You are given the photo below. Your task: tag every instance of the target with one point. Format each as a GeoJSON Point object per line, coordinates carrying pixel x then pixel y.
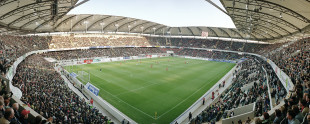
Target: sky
{"type": "Point", "coordinates": [172, 13]}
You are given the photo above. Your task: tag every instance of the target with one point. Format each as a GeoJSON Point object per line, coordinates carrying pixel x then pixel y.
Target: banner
{"type": "Point", "coordinates": [126, 57]}
{"type": "Point", "coordinates": [93, 47]}
{"type": "Point", "coordinates": [204, 34]}
{"type": "Point", "coordinates": [88, 61]}
{"type": "Point", "coordinates": [148, 56]}
{"type": "Point", "coordinates": [284, 78]}
{"type": "Point", "coordinates": [97, 59]}
{"type": "Point", "coordinates": [74, 75]}
{"type": "Point", "coordinates": [92, 88]}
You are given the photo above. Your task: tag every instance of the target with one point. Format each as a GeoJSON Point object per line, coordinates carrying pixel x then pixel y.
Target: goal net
{"type": "Point", "coordinates": [84, 76]}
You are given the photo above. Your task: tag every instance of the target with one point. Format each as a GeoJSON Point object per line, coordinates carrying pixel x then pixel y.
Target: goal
{"type": "Point", "coordinates": [84, 76]}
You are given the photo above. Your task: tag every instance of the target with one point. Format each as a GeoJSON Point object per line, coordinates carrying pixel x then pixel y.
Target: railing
{"type": "Point", "coordinates": [269, 94]}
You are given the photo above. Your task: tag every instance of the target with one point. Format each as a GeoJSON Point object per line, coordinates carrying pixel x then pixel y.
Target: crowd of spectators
{"type": "Point", "coordinates": [295, 109]}
{"type": "Point", "coordinates": [12, 47]}
{"type": "Point", "coordinates": [46, 92]}
{"type": "Point", "coordinates": [209, 43]}
{"type": "Point", "coordinates": [187, 42]}
{"type": "Point", "coordinates": [110, 53]}
{"type": "Point", "coordinates": [10, 111]}
{"type": "Point", "coordinates": [116, 52]}
{"type": "Point", "coordinates": [253, 47]}
{"type": "Point", "coordinates": [207, 54]}
{"type": "Point", "coordinates": [250, 73]}
{"type": "Point", "coordinates": [277, 90]}
{"type": "Point", "coordinates": [237, 46]}
{"type": "Point", "coordinates": [84, 41]}
{"type": "Point", "coordinates": [265, 49]}
{"type": "Point", "coordinates": [293, 59]}
{"type": "Point", "coordinates": [57, 42]}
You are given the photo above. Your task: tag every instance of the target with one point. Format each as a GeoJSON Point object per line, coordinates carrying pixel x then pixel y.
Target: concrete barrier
{"type": "Point", "coordinates": [104, 104]}
{"type": "Point", "coordinates": [241, 113]}
{"type": "Point", "coordinates": [23, 106]}
{"type": "Point", "coordinates": [198, 103]}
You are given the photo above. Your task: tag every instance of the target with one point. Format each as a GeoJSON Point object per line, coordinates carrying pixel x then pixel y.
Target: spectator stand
{"type": "Point", "coordinates": [285, 80]}
{"type": "Point", "coordinates": [85, 95]}
{"type": "Point", "coordinates": [219, 50]}
{"type": "Point", "coordinates": [279, 55]}
{"type": "Point", "coordinates": [196, 108]}
{"type": "Point", "coordinates": [279, 73]}
{"type": "Point", "coordinates": [78, 84]}
{"type": "Point", "coordinates": [247, 111]}
{"type": "Point", "coordinates": [267, 83]}
{"type": "Point", "coordinates": [10, 75]}
{"type": "Point", "coordinates": [104, 104]}
{"type": "Point", "coordinates": [12, 71]}
{"type": "Point", "coordinates": [107, 106]}
{"type": "Point", "coordinates": [6, 89]}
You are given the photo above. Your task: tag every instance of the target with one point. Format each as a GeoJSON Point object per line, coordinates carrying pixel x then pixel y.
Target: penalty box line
{"type": "Point", "coordinates": [163, 113]}
{"type": "Point", "coordinates": [126, 103]}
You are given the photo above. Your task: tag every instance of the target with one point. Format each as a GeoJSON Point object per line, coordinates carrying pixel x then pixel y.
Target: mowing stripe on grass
{"type": "Point", "coordinates": [139, 91]}
{"type": "Point", "coordinates": [189, 96]}
{"type": "Point", "coordinates": [125, 102]}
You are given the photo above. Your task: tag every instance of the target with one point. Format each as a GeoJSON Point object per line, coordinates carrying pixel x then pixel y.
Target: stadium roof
{"type": "Point", "coordinates": [270, 19]}
{"type": "Point", "coordinates": [21, 16]}
{"type": "Point", "coordinates": [109, 23]}
{"type": "Point", "coordinates": [263, 20]}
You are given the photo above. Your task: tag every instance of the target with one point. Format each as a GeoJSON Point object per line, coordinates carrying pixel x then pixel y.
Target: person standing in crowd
{"type": "Point", "coordinates": [239, 122]}
{"type": "Point", "coordinates": [190, 116]}
{"type": "Point", "coordinates": [8, 116]}
{"type": "Point", "coordinates": [2, 111]}
{"type": "Point", "coordinates": [303, 106]}
{"type": "Point", "coordinates": [91, 101]}
{"type": "Point", "coordinates": [24, 117]}
{"type": "Point", "coordinates": [278, 117]}
{"type": "Point", "coordinates": [248, 121]}
{"type": "Point", "coordinates": [203, 101]}
{"type": "Point", "coordinates": [15, 108]}
{"type": "Point", "coordinates": [308, 120]}
{"type": "Point", "coordinates": [123, 121]}
{"type": "Point", "coordinates": [212, 96]}
{"type": "Point", "coordinates": [298, 114]}
{"type": "Point", "coordinates": [266, 118]}
{"type": "Point", "coordinates": [291, 117]}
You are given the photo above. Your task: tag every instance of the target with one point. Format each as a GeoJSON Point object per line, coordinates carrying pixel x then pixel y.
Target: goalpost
{"type": "Point", "coordinates": [84, 76]}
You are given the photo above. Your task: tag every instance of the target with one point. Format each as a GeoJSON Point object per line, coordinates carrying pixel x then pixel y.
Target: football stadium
{"type": "Point", "coordinates": [154, 62]}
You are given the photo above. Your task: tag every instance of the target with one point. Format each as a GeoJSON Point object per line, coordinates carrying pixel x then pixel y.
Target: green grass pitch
{"type": "Point", "coordinates": [167, 88]}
